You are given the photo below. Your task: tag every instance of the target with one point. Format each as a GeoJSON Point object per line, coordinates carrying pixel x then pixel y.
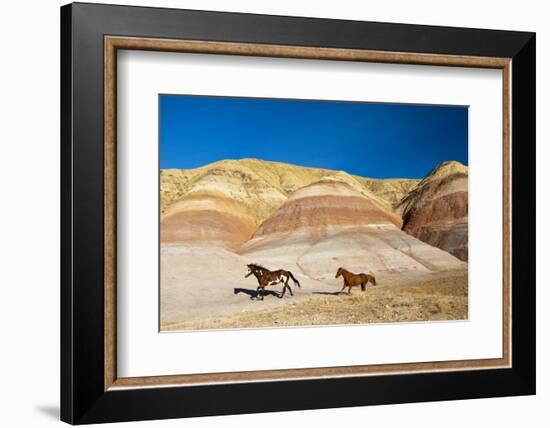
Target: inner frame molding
{"type": "Point", "coordinates": [113, 43]}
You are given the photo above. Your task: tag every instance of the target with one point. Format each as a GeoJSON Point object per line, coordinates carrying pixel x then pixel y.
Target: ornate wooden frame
{"type": "Point", "coordinates": [91, 390]}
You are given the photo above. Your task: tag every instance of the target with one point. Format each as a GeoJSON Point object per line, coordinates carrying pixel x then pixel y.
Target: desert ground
{"type": "Point", "coordinates": [410, 234]}
{"type": "Point", "coordinates": [432, 297]}
{"type": "Point", "coordinates": [213, 304]}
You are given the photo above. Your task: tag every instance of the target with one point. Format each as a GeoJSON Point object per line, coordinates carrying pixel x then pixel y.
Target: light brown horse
{"type": "Point", "coordinates": [352, 279]}
{"type": "Point", "coordinates": [267, 277]}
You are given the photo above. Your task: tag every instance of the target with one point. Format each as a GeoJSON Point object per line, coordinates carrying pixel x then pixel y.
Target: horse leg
{"type": "Point", "coordinates": [288, 286]}
{"type": "Point", "coordinates": [343, 288]}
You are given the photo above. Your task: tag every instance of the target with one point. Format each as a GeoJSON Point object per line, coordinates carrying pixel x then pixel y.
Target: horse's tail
{"type": "Point", "coordinates": [294, 279]}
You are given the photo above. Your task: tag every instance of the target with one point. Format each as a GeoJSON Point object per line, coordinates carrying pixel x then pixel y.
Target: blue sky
{"type": "Point", "coordinates": [366, 139]}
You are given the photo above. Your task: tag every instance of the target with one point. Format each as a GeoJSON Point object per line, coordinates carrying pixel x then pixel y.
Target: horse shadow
{"type": "Point", "coordinates": [254, 293]}
{"type": "Point", "coordinates": [328, 293]}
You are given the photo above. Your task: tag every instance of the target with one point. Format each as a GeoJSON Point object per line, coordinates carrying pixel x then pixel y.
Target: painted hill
{"type": "Point", "coordinates": [329, 224]}
{"type": "Point", "coordinates": [224, 202]}
{"type": "Point", "coordinates": [436, 209]}
{"type": "Point", "coordinates": [207, 219]}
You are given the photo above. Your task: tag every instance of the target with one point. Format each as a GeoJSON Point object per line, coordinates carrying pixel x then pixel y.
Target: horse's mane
{"type": "Point", "coordinates": [258, 266]}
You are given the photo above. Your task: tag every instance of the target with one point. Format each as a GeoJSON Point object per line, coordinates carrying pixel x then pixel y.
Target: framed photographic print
{"type": "Point", "coordinates": [265, 213]}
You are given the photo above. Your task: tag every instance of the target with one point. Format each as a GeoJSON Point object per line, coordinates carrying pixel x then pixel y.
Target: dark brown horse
{"type": "Point", "coordinates": [267, 277]}
{"type": "Point", "coordinates": [352, 279]}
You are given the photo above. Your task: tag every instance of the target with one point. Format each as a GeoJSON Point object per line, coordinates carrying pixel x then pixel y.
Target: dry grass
{"type": "Point", "coordinates": [440, 298]}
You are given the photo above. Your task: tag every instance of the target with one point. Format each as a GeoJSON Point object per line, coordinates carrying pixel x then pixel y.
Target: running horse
{"type": "Point", "coordinates": [352, 279]}
{"type": "Point", "coordinates": [267, 277]}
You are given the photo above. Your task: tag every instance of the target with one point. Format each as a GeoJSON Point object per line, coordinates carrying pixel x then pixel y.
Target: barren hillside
{"type": "Point", "coordinates": [224, 202]}
{"type": "Point", "coordinates": [265, 184]}
{"type": "Point", "coordinates": [329, 224]}
{"type": "Point", "coordinates": [436, 210]}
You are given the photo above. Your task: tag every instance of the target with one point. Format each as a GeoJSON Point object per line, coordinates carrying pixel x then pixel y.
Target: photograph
{"type": "Point", "coordinates": [292, 212]}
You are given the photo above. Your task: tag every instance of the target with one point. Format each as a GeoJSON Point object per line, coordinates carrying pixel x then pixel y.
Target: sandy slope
{"type": "Point", "coordinates": [330, 224]}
